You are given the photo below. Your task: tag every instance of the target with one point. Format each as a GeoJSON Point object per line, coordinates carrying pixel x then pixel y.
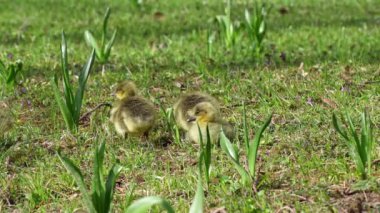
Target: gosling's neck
{"type": "Point", "coordinates": [203, 122]}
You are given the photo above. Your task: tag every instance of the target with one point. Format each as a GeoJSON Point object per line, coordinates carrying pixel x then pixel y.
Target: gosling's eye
{"type": "Point", "coordinates": [197, 111]}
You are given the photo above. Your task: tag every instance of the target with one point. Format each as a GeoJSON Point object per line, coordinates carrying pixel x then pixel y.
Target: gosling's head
{"type": "Point", "coordinates": [125, 89]}
{"type": "Point", "coordinates": [203, 112]}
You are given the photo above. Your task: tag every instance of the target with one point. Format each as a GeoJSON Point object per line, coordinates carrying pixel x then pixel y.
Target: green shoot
{"type": "Point", "coordinates": [100, 198]}
{"type": "Point", "coordinates": [227, 27]}
{"type": "Point", "coordinates": [8, 74]}
{"type": "Point", "coordinates": [104, 50]}
{"type": "Point", "coordinates": [197, 205]}
{"type": "Point", "coordinates": [360, 146]}
{"type": "Point", "coordinates": [257, 27]}
{"type": "Point", "coordinates": [232, 152]}
{"type": "Point", "coordinates": [254, 146]}
{"type": "Point", "coordinates": [251, 150]}
{"type": "Point", "coordinates": [69, 104]}
{"type": "Point", "coordinates": [210, 42]}
{"type": "Point", "coordinates": [129, 197]}
{"type": "Point", "coordinates": [171, 125]}
{"type": "Point", "coordinates": [205, 152]}
{"type": "Point", "coordinates": [144, 204]}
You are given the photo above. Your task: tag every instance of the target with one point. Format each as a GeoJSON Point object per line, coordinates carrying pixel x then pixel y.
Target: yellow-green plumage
{"type": "Point", "coordinates": [186, 103]}
{"type": "Point", "coordinates": [132, 114]}
{"type": "Point", "coordinates": [205, 114]}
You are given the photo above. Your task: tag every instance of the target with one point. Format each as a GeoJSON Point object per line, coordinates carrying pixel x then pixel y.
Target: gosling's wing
{"type": "Point", "coordinates": [139, 109]}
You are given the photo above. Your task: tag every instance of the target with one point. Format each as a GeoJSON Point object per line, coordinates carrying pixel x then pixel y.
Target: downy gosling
{"type": "Point", "coordinates": [132, 114]}
{"type": "Point", "coordinates": [186, 103]}
{"type": "Point", "coordinates": [205, 114]}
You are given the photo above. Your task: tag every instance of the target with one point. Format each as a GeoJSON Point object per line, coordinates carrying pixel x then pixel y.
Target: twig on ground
{"type": "Point", "coordinates": [85, 115]}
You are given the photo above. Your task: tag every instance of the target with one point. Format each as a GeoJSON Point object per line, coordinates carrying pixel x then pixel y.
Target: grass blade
{"type": "Point", "coordinates": [207, 155]}
{"type": "Point", "coordinates": [110, 185]}
{"type": "Point", "coordinates": [11, 75]}
{"type": "Point", "coordinates": [197, 204]}
{"type": "Point", "coordinates": [108, 47]}
{"type": "Point", "coordinates": [82, 86]}
{"type": "Point", "coordinates": [129, 197]}
{"type": "Point", "coordinates": [144, 204]}
{"type": "Point", "coordinates": [105, 23]}
{"type": "Point", "coordinates": [360, 155]}
{"type": "Point", "coordinates": [338, 128]}
{"type": "Point", "coordinates": [67, 116]}
{"type": "Point", "coordinates": [98, 189]}
{"type": "Point", "coordinates": [2, 65]}
{"type": "Point", "coordinates": [253, 148]}
{"type": "Point", "coordinates": [228, 147]}
{"type": "Point", "coordinates": [230, 150]}
{"type": "Point", "coordinates": [78, 177]}
{"type": "Point", "coordinates": [67, 89]}
{"type": "Point", "coordinates": [92, 42]}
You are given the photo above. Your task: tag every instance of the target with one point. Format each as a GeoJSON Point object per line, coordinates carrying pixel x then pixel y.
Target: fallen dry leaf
{"type": "Point", "coordinates": [302, 71]}
{"type": "Point", "coordinates": [219, 210]}
{"type": "Point", "coordinates": [159, 16]}
{"type": "Point", "coordinates": [329, 103]}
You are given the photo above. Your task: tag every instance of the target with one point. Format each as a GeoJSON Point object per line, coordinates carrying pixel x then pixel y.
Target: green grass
{"type": "Point", "coordinates": [302, 160]}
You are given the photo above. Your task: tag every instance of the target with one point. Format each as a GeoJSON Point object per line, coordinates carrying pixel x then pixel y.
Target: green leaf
{"type": "Point", "coordinates": [338, 128]}
{"type": "Point", "coordinates": [92, 42]}
{"type": "Point", "coordinates": [14, 70]}
{"type": "Point", "coordinates": [78, 177]}
{"type": "Point", "coordinates": [262, 28]}
{"type": "Point", "coordinates": [200, 137]}
{"type": "Point", "coordinates": [359, 151]}
{"type": "Point", "coordinates": [108, 47]}
{"type": "Point", "coordinates": [62, 106]}
{"type": "Point", "coordinates": [2, 66]}
{"type": "Point", "coordinates": [11, 75]}
{"type": "Point", "coordinates": [110, 185]}
{"type": "Point", "coordinates": [144, 204]}
{"type": "Point", "coordinates": [207, 156]}
{"type": "Point", "coordinates": [105, 23]}
{"type": "Point", "coordinates": [231, 151]}
{"type": "Point", "coordinates": [353, 132]}
{"type": "Point", "coordinates": [82, 86]}
{"type": "Point", "coordinates": [129, 197]}
{"type": "Point", "coordinates": [254, 146]}
{"type": "Point", "coordinates": [228, 147]}
{"type": "Point", "coordinates": [247, 16]}
{"type": "Point", "coordinates": [98, 188]}
{"type": "Point", "coordinates": [197, 205]}
{"type": "Point", "coordinates": [67, 88]}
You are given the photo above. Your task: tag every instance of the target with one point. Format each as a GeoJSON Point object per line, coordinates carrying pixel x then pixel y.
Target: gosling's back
{"type": "Point", "coordinates": [188, 102]}
{"type": "Point", "coordinates": [133, 115]}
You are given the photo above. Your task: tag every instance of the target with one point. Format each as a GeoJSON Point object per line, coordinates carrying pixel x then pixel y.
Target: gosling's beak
{"type": "Point", "coordinates": [113, 94]}
{"type": "Point", "coordinates": [191, 119]}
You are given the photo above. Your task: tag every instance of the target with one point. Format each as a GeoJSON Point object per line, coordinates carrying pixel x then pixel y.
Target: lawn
{"type": "Point", "coordinates": [320, 57]}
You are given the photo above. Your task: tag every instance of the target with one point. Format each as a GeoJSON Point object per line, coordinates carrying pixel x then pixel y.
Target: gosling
{"type": "Point", "coordinates": [132, 114]}
{"type": "Point", "coordinates": [186, 103]}
{"type": "Point", "coordinates": [205, 114]}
